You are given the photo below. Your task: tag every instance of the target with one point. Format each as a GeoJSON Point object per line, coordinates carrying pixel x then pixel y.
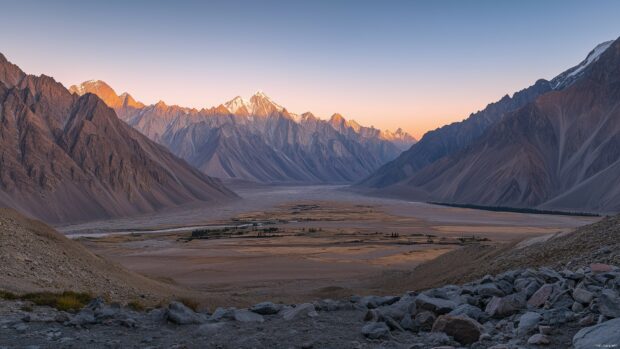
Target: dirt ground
{"type": "Point", "coordinates": [323, 243]}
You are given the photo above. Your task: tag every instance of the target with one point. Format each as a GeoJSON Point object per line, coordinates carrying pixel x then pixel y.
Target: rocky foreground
{"type": "Point", "coordinates": [525, 308]}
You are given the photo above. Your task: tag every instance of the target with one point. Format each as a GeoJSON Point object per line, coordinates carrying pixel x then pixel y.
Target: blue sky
{"type": "Point", "coordinates": [414, 64]}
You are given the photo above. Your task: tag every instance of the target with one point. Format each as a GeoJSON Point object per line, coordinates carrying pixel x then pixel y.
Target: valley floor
{"type": "Point", "coordinates": [328, 243]}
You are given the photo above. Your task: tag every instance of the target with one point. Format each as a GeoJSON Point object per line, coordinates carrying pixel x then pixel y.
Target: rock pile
{"type": "Point", "coordinates": [512, 309]}
{"type": "Point", "coordinates": [525, 308]}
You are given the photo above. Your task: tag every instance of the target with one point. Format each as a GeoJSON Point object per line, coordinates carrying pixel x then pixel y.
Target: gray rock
{"type": "Point", "coordinates": [604, 335]}
{"type": "Point", "coordinates": [372, 302]}
{"type": "Point", "coordinates": [471, 311]}
{"type": "Point", "coordinates": [305, 309]}
{"type": "Point", "coordinates": [242, 315]}
{"type": "Point", "coordinates": [609, 303]}
{"type": "Point", "coordinates": [266, 308]}
{"type": "Point", "coordinates": [209, 329]}
{"type": "Point", "coordinates": [84, 317]}
{"type": "Point", "coordinates": [376, 330]}
{"type": "Point", "coordinates": [408, 323]}
{"type": "Point", "coordinates": [540, 297]}
{"type": "Point", "coordinates": [539, 339]}
{"type": "Point", "coordinates": [437, 305]}
{"type": "Point", "coordinates": [499, 307]}
{"type": "Point", "coordinates": [577, 307]}
{"type": "Point", "coordinates": [462, 328]}
{"type": "Point", "coordinates": [489, 290]}
{"type": "Point", "coordinates": [425, 320]}
{"type": "Point", "coordinates": [558, 316]}
{"type": "Point", "coordinates": [528, 323]}
{"type": "Point", "coordinates": [396, 311]}
{"type": "Point", "coordinates": [180, 314]}
{"type": "Point", "coordinates": [582, 295]}
{"type": "Point", "coordinates": [223, 314]}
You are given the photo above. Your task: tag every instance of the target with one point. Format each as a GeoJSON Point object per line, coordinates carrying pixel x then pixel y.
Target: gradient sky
{"type": "Point", "coordinates": [413, 64]}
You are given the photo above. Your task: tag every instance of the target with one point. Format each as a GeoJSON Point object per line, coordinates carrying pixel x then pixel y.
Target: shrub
{"type": "Point", "coordinates": [190, 303]}
{"type": "Point", "coordinates": [136, 306]}
{"type": "Point", "coordinates": [66, 301]}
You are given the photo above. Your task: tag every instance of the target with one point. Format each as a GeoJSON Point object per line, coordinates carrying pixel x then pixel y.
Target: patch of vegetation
{"type": "Point", "coordinates": [136, 306]}
{"type": "Point", "coordinates": [516, 209]}
{"type": "Point", "coordinates": [190, 303]}
{"type": "Point", "coordinates": [66, 301]}
{"type": "Point", "coordinates": [8, 295]}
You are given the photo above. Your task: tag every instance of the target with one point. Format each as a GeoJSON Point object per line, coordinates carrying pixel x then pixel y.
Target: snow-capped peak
{"type": "Point", "coordinates": [236, 104]}
{"type": "Point", "coordinates": [568, 77]}
{"type": "Point", "coordinates": [259, 104]}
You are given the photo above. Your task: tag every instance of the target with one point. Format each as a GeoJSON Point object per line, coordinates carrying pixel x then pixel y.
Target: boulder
{"type": "Point", "coordinates": [489, 290]}
{"type": "Point", "coordinates": [180, 314]}
{"type": "Point", "coordinates": [266, 308]}
{"type": "Point", "coordinates": [604, 335]}
{"type": "Point", "coordinates": [376, 330]}
{"type": "Point", "coordinates": [601, 268]}
{"type": "Point", "coordinates": [471, 311]}
{"type": "Point", "coordinates": [372, 302]}
{"type": "Point", "coordinates": [539, 339]}
{"type": "Point", "coordinates": [528, 323]}
{"type": "Point", "coordinates": [305, 309]}
{"type": "Point", "coordinates": [425, 320]}
{"type": "Point", "coordinates": [223, 314]}
{"type": "Point", "coordinates": [499, 307]}
{"type": "Point", "coordinates": [85, 317]}
{"type": "Point", "coordinates": [540, 297]}
{"type": "Point", "coordinates": [609, 304]}
{"type": "Point", "coordinates": [437, 305]}
{"type": "Point", "coordinates": [462, 328]}
{"type": "Point", "coordinates": [582, 295]}
{"type": "Point", "coordinates": [242, 315]}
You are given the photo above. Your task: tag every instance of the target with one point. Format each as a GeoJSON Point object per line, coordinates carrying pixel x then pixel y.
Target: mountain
{"type": "Point", "coordinates": [561, 150]}
{"type": "Point", "coordinates": [259, 140]}
{"type": "Point", "coordinates": [37, 258]}
{"type": "Point", "coordinates": [68, 158]}
{"type": "Point", "coordinates": [449, 139]}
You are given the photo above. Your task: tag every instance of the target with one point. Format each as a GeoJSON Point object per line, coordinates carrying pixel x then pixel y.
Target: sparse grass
{"type": "Point", "coordinates": [8, 295]}
{"type": "Point", "coordinates": [190, 303]}
{"type": "Point", "coordinates": [66, 301]}
{"type": "Point", "coordinates": [136, 306]}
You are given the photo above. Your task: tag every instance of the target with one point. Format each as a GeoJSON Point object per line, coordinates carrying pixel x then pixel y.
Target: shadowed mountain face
{"type": "Point", "coordinates": [68, 158]}
{"type": "Point", "coordinates": [456, 136]}
{"type": "Point", "coordinates": [559, 151]}
{"type": "Point", "coordinates": [259, 140]}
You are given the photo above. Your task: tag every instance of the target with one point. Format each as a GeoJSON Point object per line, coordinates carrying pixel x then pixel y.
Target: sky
{"type": "Point", "coordinates": [411, 64]}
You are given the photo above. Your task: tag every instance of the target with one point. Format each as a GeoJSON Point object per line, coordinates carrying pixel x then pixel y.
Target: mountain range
{"type": "Point", "coordinates": [66, 157]}
{"type": "Point", "coordinates": [258, 139]}
{"type": "Point", "coordinates": [553, 145]}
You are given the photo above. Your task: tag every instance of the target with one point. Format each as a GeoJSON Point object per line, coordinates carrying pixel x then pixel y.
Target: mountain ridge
{"type": "Point", "coordinates": [67, 158]}
{"type": "Point", "coordinates": [293, 148]}
{"type": "Point", "coordinates": [558, 151]}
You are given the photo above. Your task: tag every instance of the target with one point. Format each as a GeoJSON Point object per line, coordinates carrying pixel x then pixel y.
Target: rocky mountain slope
{"type": "Point", "coordinates": [555, 148]}
{"type": "Point", "coordinates": [36, 258]}
{"type": "Point", "coordinates": [68, 158]}
{"type": "Point", "coordinates": [574, 304]}
{"type": "Point", "coordinates": [259, 140]}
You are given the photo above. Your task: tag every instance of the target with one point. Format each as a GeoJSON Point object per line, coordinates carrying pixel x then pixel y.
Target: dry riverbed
{"type": "Point", "coordinates": [318, 243]}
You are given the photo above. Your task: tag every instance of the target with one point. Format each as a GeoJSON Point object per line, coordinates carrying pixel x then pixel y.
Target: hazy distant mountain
{"type": "Point", "coordinates": [560, 149]}
{"type": "Point", "coordinates": [259, 140]}
{"type": "Point", "coordinates": [68, 158]}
